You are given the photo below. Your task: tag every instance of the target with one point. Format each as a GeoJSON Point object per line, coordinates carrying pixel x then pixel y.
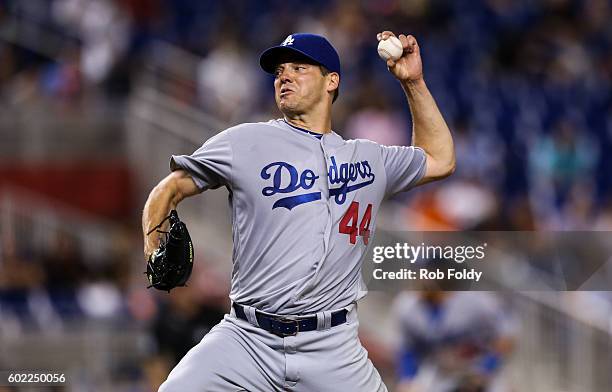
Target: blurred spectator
{"type": "Point", "coordinates": [374, 119]}
{"type": "Point", "coordinates": [480, 153]}
{"type": "Point", "coordinates": [461, 204]}
{"type": "Point", "coordinates": [64, 272]}
{"type": "Point", "coordinates": [182, 321]}
{"type": "Point", "coordinates": [466, 203]}
{"type": "Point", "coordinates": [103, 29]}
{"type": "Point", "coordinates": [19, 278]}
{"type": "Point", "coordinates": [104, 290]}
{"type": "Point", "coordinates": [226, 81]}
{"type": "Point", "coordinates": [100, 296]}
{"type": "Point", "coordinates": [62, 79]}
{"type": "Point", "coordinates": [561, 162]}
{"type": "Point", "coordinates": [451, 341]}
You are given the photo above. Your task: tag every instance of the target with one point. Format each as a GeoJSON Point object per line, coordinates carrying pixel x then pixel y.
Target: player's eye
{"type": "Point", "coordinates": [278, 72]}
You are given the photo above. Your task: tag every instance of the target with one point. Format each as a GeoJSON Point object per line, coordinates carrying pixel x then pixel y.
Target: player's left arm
{"type": "Point", "coordinates": [429, 130]}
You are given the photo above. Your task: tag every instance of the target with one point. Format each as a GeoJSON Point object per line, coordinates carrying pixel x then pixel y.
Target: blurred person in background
{"type": "Point", "coordinates": [20, 277]}
{"type": "Point", "coordinates": [181, 321]}
{"type": "Point", "coordinates": [376, 120]}
{"type": "Point", "coordinates": [65, 271]}
{"type": "Point", "coordinates": [103, 28]}
{"type": "Point", "coordinates": [563, 165]}
{"type": "Point", "coordinates": [223, 67]}
{"type": "Point", "coordinates": [452, 341]}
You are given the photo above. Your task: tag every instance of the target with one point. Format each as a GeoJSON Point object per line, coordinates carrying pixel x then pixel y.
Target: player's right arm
{"type": "Point", "coordinates": [166, 195]}
{"type": "Point", "coordinates": [430, 131]}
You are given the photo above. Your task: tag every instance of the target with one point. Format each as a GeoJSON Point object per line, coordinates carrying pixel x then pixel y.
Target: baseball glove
{"type": "Point", "coordinates": [171, 263]}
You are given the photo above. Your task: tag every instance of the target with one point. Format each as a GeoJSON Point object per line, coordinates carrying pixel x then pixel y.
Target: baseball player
{"type": "Point", "coordinates": [304, 204]}
{"type": "Point", "coordinates": [452, 341]}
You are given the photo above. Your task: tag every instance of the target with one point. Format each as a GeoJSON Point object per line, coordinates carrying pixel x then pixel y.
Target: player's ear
{"type": "Point", "coordinates": [333, 81]}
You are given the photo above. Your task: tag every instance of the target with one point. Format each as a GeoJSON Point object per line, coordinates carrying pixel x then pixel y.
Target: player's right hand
{"type": "Point", "coordinates": [409, 67]}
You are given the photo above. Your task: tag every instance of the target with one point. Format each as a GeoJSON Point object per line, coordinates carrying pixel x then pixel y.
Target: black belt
{"type": "Point", "coordinates": [282, 327]}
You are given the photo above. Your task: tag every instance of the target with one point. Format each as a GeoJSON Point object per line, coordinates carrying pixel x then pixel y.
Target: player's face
{"type": "Point", "coordinates": [298, 87]}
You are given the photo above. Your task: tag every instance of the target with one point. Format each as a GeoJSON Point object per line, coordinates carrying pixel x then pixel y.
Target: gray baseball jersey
{"type": "Point", "coordinates": [303, 209]}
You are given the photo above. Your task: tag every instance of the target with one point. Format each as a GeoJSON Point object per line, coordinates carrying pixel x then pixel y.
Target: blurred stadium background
{"type": "Point", "coordinates": [96, 94]}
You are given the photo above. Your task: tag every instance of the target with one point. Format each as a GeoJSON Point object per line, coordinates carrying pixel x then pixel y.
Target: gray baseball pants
{"type": "Point", "coordinates": [238, 356]}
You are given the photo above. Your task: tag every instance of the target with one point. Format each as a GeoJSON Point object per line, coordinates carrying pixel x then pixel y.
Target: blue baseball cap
{"type": "Point", "coordinates": [303, 46]}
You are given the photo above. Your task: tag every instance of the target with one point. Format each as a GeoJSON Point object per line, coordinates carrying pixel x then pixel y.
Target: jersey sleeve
{"type": "Point", "coordinates": [210, 166]}
{"type": "Point", "coordinates": [404, 167]}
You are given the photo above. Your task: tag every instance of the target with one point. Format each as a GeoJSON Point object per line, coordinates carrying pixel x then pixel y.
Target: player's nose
{"type": "Point", "coordinates": [285, 75]}
{"type": "Point", "coordinates": [285, 78]}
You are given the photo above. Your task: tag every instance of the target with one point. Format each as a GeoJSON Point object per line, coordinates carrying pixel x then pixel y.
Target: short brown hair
{"type": "Point", "coordinates": [325, 72]}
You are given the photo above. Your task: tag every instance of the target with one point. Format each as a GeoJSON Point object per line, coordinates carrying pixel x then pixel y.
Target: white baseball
{"type": "Point", "coordinates": [390, 48]}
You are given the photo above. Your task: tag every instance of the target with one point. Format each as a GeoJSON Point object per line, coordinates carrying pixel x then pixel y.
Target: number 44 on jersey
{"type": "Point", "coordinates": [348, 224]}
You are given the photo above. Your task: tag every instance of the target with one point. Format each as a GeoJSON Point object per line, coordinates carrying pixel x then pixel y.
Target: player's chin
{"type": "Point", "coordinates": [287, 105]}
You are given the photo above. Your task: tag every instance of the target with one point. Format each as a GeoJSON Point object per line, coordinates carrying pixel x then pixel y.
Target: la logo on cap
{"type": "Point", "coordinates": [288, 41]}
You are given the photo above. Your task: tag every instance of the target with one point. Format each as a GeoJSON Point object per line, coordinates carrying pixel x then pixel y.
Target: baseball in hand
{"type": "Point", "coordinates": [390, 48]}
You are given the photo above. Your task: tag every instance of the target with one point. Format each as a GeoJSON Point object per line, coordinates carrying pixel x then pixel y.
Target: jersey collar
{"type": "Point", "coordinates": [330, 138]}
{"type": "Point", "coordinates": [317, 135]}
